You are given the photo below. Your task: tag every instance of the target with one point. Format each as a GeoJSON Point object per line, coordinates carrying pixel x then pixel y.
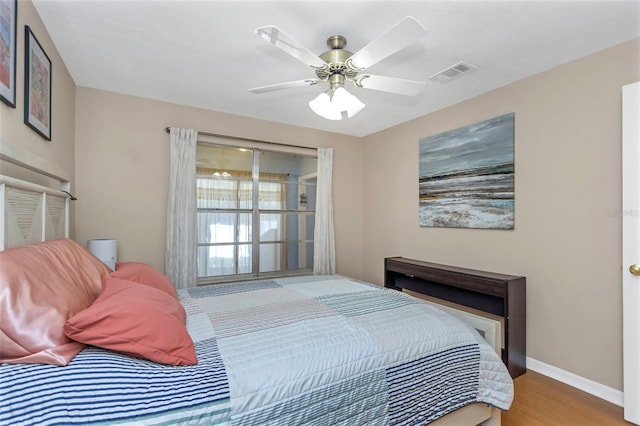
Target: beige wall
{"type": "Point", "coordinates": [60, 150]}
{"type": "Point", "coordinates": [122, 166]}
{"type": "Point", "coordinates": [567, 236]}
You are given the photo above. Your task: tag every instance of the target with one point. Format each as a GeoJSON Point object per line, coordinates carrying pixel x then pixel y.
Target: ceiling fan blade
{"type": "Point", "coordinates": [394, 39]}
{"type": "Point", "coordinates": [282, 41]}
{"type": "Point", "coordinates": [287, 85]}
{"type": "Point", "coordinates": [389, 84]}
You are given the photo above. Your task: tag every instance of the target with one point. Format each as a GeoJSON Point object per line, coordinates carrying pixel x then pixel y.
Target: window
{"type": "Point", "coordinates": [255, 213]}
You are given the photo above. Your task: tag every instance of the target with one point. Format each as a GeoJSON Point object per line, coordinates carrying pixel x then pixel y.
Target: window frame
{"type": "Point", "coordinates": [255, 243]}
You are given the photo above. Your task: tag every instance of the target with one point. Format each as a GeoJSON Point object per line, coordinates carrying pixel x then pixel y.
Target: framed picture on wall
{"type": "Point", "coordinates": [467, 176]}
{"type": "Point", "coordinates": [8, 24]}
{"type": "Point", "coordinates": [37, 86]}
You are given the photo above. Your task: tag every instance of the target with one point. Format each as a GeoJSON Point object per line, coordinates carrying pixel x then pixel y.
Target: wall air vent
{"type": "Point", "coordinates": [454, 71]}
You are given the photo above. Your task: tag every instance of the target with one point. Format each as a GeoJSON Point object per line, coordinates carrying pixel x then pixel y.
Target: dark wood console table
{"type": "Point", "coordinates": [498, 294]}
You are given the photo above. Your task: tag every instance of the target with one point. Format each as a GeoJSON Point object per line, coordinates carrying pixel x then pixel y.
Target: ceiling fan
{"type": "Point", "coordinates": [338, 66]}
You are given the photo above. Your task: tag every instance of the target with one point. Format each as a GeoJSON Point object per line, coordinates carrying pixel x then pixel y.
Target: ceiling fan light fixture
{"type": "Point", "coordinates": [321, 105]}
{"type": "Point", "coordinates": [345, 101]}
{"type": "Point", "coordinates": [337, 105]}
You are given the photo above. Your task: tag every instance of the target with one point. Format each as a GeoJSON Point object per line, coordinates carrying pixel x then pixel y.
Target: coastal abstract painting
{"type": "Point", "coordinates": [466, 177]}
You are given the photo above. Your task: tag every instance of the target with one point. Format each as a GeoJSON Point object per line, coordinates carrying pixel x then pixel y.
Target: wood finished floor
{"type": "Point", "coordinates": [541, 401]}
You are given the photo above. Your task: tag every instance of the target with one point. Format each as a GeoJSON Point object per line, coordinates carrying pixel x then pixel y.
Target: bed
{"type": "Point", "coordinates": [312, 350]}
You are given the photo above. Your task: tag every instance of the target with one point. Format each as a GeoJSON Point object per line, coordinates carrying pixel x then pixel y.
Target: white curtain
{"type": "Point", "coordinates": [180, 260]}
{"type": "Point", "coordinates": [324, 256]}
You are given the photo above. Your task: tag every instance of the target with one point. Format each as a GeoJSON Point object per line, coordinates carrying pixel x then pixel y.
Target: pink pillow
{"type": "Point", "coordinates": [144, 274]}
{"type": "Point", "coordinates": [41, 286]}
{"type": "Point", "coordinates": [137, 320]}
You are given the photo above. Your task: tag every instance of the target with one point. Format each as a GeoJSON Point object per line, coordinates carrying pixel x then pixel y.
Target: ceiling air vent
{"type": "Point", "coordinates": [454, 71]}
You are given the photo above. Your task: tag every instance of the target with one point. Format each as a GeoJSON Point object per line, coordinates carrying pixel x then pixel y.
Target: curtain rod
{"type": "Point", "coordinates": [237, 138]}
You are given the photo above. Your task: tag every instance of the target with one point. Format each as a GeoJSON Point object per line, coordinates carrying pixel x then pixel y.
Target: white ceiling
{"type": "Point", "coordinates": [205, 53]}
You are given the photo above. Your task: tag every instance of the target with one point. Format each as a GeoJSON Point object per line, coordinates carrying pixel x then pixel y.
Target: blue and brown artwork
{"type": "Point", "coordinates": [466, 176]}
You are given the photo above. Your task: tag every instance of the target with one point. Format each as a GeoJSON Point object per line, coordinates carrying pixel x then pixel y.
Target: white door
{"type": "Point", "coordinates": [631, 249]}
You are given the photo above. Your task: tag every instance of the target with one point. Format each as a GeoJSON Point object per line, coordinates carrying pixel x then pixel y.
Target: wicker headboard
{"type": "Point", "coordinates": [31, 212]}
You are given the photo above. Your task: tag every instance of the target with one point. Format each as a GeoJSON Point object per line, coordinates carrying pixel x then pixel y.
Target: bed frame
{"type": "Point", "coordinates": [32, 212]}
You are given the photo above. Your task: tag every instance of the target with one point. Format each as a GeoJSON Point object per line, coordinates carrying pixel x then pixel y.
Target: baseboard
{"type": "Point", "coordinates": [607, 393]}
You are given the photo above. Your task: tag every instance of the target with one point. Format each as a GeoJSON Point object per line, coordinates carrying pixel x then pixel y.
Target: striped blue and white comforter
{"type": "Point", "coordinates": [321, 350]}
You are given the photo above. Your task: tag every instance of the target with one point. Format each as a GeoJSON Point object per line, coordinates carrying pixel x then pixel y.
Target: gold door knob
{"type": "Point", "coordinates": [634, 269]}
